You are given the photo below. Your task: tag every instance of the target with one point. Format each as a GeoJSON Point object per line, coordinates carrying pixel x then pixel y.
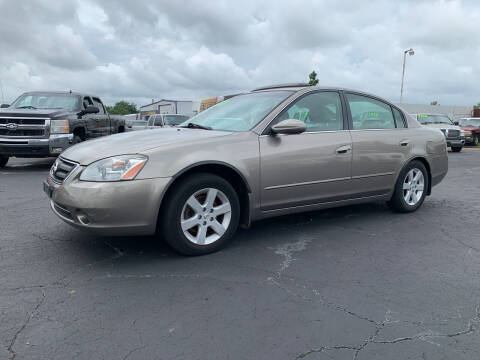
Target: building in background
{"type": "Point", "coordinates": [454, 112]}
{"type": "Point", "coordinates": [181, 107]}
{"type": "Point", "coordinates": [209, 102]}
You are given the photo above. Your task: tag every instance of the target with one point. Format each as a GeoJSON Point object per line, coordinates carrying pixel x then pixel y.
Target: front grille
{"type": "Point", "coordinates": [22, 132]}
{"type": "Point", "coordinates": [452, 133]}
{"type": "Point", "coordinates": [22, 121]}
{"type": "Point", "coordinates": [61, 169]}
{"type": "Point", "coordinates": [16, 127]}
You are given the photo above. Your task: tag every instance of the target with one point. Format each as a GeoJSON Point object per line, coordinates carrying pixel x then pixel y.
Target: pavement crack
{"type": "Point", "coordinates": [24, 325]}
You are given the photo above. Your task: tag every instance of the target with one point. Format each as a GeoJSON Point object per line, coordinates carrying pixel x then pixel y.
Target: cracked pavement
{"type": "Point", "coordinates": [356, 283]}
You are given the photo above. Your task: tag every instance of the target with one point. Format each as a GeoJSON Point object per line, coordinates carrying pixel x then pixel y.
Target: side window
{"type": "Point", "coordinates": [321, 111]}
{"type": "Point", "coordinates": [87, 102]}
{"type": "Point", "coordinates": [98, 103]}
{"type": "Point", "coordinates": [399, 119]}
{"type": "Point", "coordinates": [368, 113]}
{"type": "Point", "coordinates": [158, 120]}
{"type": "Point", "coordinates": [151, 119]}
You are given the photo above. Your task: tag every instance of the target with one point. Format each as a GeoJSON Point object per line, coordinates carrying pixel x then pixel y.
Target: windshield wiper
{"type": "Point", "coordinates": [26, 107]}
{"type": "Point", "coordinates": [196, 126]}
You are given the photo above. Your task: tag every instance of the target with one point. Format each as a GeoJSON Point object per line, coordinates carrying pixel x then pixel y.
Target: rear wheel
{"type": "Point", "coordinates": [202, 213]}
{"type": "Point", "coordinates": [3, 160]}
{"type": "Point", "coordinates": [410, 189]}
{"type": "Point", "coordinates": [457, 149]}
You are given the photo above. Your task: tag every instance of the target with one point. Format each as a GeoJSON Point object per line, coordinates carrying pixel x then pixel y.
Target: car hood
{"type": "Point", "coordinates": [442, 126]}
{"type": "Point", "coordinates": [136, 142]}
{"type": "Point", "coordinates": [48, 113]}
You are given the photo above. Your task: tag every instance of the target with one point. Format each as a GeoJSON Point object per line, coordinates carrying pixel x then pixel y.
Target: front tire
{"type": "Point", "coordinates": [411, 188]}
{"type": "Point", "coordinates": [3, 160]}
{"type": "Point", "coordinates": [201, 214]}
{"type": "Point", "coordinates": [457, 149]}
{"type": "Point", "coordinates": [476, 140]}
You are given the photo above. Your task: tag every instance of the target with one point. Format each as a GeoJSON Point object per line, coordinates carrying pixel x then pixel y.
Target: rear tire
{"type": "Point", "coordinates": [457, 149]}
{"type": "Point", "coordinates": [201, 214]}
{"type": "Point", "coordinates": [411, 188]}
{"type": "Point", "coordinates": [3, 160]}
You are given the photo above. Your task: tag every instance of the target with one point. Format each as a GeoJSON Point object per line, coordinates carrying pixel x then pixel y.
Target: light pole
{"type": "Point", "coordinates": [409, 52]}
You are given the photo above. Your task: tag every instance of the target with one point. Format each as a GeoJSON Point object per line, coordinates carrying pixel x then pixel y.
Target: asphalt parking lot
{"type": "Point", "coordinates": [351, 283]}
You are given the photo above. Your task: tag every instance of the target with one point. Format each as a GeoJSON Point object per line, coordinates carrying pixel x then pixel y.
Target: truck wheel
{"type": "Point", "coordinates": [411, 188]}
{"type": "Point", "coordinates": [457, 149]}
{"type": "Point", "coordinates": [3, 160]}
{"type": "Point", "coordinates": [202, 213]}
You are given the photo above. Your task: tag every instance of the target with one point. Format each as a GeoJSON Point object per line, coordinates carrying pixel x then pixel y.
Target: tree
{"type": "Point", "coordinates": [313, 78]}
{"type": "Point", "coordinates": [122, 108]}
{"type": "Point", "coordinates": [476, 106]}
{"type": "Point", "coordinates": [435, 102]}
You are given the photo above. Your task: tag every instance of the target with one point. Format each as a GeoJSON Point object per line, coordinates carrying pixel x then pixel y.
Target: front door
{"type": "Point", "coordinates": [309, 168]}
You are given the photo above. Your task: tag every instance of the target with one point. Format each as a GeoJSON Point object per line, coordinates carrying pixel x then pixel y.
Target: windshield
{"type": "Point", "coordinates": [469, 122]}
{"type": "Point", "coordinates": [174, 120]}
{"type": "Point", "coordinates": [47, 101]}
{"type": "Point", "coordinates": [240, 113]}
{"type": "Point", "coordinates": [433, 119]}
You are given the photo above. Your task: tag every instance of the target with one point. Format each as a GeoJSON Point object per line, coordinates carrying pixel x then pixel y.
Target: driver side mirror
{"type": "Point", "coordinates": [89, 110]}
{"type": "Point", "coordinates": [3, 106]}
{"type": "Point", "coordinates": [456, 123]}
{"type": "Point", "coordinates": [289, 127]}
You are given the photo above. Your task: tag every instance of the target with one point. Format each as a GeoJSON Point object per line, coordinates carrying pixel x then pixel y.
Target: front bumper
{"type": "Point", "coordinates": [51, 146]}
{"type": "Point", "coordinates": [108, 208]}
{"type": "Point", "coordinates": [456, 142]}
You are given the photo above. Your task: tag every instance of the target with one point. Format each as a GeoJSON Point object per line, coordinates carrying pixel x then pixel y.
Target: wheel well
{"type": "Point", "coordinates": [121, 129]}
{"type": "Point", "coordinates": [79, 131]}
{"type": "Point", "coordinates": [429, 172]}
{"type": "Point", "coordinates": [229, 174]}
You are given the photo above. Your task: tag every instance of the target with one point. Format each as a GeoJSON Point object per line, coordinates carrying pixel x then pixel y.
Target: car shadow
{"type": "Point", "coordinates": [141, 250]}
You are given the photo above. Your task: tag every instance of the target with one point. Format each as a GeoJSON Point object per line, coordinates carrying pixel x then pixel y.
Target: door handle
{"type": "Point", "coordinates": [404, 142]}
{"type": "Point", "coordinates": [343, 149]}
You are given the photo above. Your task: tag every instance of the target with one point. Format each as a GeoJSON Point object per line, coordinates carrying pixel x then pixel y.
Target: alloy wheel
{"type": "Point", "coordinates": [413, 186]}
{"type": "Point", "coordinates": [205, 216]}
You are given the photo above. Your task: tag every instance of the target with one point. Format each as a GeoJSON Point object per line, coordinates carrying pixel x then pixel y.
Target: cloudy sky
{"type": "Point", "coordinates": [139, 50]}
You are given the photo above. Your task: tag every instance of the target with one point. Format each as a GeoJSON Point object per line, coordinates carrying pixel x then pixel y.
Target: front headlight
{"type": "Point", "coordinates": [115, 168]}
{"type": "Point", "coordinates": [462, 133]}
{"type": "Point", "coordinates": [59, 127]}
{"type": "Point", "coordinates": [466, 133]}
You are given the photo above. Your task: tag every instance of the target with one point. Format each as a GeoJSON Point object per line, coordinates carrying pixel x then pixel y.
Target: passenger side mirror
{"type": "Point", "coordinates": [3, 106]}
{"type": "Point", "coordinates": [289, 127]}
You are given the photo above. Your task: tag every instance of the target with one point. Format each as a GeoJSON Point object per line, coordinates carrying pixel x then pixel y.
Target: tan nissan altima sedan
{"type": "Point", "coordinates": [272, 151]}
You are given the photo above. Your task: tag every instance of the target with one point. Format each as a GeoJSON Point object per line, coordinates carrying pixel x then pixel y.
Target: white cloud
{"type": "Point", "coordinates": [193, 49]}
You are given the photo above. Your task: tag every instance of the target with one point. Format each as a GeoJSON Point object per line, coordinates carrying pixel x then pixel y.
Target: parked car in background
{"type": "Point", "coordinates": [471, 127]}
{"type": "Point", "coordinates": [132, 117]}
{"type": "Point", "coordinates": [454, 135]}
{"type": "Point", "coordinates": [161, 120]}
{"type": "Point", "coordinates": [44, 123]}
{"type": "Point", "coordinates": [133, 125]}
{"type": "Point", "coordinates": [273, 151]}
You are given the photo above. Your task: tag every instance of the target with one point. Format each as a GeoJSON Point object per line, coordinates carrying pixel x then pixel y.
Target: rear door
{"type": "Point", "coordinates": [312, 167]}
{"type": "Point", "coordinates": [381, 144]}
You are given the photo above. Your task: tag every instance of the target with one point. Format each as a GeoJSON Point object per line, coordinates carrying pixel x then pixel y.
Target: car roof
{"type": "Point", "coordinates": [59, 93]}
{"type": "Point", "coordinates": [295, 87]}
